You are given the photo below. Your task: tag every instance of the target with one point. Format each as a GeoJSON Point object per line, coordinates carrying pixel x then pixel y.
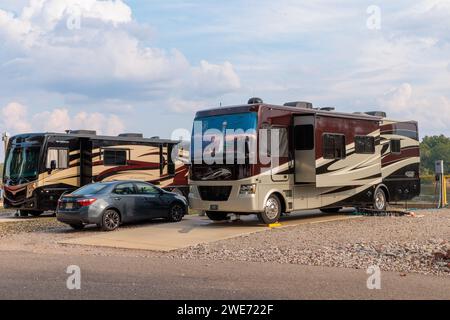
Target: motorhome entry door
{"type": "Point", "coordinates": [304, 149]}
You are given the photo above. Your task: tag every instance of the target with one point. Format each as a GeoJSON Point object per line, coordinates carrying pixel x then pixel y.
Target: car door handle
{"type": "Point", "coordinates": [117, 198]}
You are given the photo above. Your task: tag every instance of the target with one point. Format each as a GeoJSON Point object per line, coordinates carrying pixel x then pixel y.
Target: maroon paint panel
{"type": "Point", "coordinates": [348, 127]}
{"type": "Point", "coordinates": [404, 154]}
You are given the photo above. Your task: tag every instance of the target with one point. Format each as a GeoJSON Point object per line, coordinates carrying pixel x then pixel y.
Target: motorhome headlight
{"type": "Point", "coordinates": [30, 188]}
{"type": "Point", "coordinates": [248, 189]}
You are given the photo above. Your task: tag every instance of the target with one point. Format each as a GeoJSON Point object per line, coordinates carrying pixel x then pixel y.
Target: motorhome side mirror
{"type": "Point", "coordinates": [52, 165]}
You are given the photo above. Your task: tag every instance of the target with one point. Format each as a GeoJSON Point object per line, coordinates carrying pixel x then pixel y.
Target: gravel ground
{"type": "Point", "coordinates": [26, 225]}
{"type": "Point", "coordinates": [401, 244]}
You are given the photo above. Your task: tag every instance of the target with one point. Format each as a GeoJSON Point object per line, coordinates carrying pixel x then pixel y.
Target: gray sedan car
{"type": "Point", "coordinates": [109, 204]}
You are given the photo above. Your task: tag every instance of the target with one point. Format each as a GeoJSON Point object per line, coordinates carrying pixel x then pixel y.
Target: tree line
{"type": "Point", "coordinates": [434, 148]}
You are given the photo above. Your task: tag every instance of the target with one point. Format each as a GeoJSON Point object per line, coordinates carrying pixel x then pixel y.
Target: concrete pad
{"type": "Point", "coordinates": [193, 230]}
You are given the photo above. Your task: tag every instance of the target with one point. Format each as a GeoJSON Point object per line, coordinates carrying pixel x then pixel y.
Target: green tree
{"type": "Point", "coordinates": [434, 148]}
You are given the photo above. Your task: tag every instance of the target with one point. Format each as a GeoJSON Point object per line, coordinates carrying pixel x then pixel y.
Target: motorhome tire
{"type": "Point", "coordinates": [272, 210]}
{"type": "Point", "coordinates": [217, 216]}
{"type": "Point", "coordinates": [379, 199]}
{"type": "Point", "coordinates": [23, 213]}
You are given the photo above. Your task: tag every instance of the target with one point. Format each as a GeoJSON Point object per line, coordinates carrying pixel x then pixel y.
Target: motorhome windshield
{"type": "Point", "coordinates": [230, 127]}
{"type": "Point", "coordinates": [22, 163]}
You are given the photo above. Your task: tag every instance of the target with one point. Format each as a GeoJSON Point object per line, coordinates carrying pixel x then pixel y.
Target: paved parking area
{"type": "Point", "coordinates": [193, 230]}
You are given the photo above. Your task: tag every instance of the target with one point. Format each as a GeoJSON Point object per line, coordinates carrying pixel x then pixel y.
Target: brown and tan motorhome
{"type": "Point", "coordinates": [40, 167]}
{"type": "Point", "coordinates": [325, 160]}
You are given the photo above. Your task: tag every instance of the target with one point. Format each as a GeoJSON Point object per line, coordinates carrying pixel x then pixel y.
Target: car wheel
{"type": "Point", "coordinates": [330, 210]}
{"type": "Point", "coordinates": [379, 200]}
{"type": "Point", "coordinates": [217, 216]}
{"type": "Point", "coordinates": [176, 212]}
{"type": "Point", "coordinates": [272, 210]}
{"type": "Point", "coordinates": [110, 220]}
{"type": "Point", "coordinates": [78, 226]}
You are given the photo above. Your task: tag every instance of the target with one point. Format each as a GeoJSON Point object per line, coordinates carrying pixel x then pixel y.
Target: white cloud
{"type": "Point", "coordinates": [105, 58]}
{"type": "Point", "coordinates": [180, 105]}
{"type": "Point", "coordinates": [398, 99]}
{"type": "Point", "coordinates": [432, 113]}
{"type": "Point", "coordinates": [16, 119]}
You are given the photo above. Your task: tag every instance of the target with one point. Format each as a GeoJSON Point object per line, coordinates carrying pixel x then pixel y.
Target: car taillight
{"type": "Point", "coordinates": [86, 202]}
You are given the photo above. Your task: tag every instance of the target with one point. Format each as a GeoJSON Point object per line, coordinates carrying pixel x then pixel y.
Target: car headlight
{"type": "Point", "coordinates": [248, 189]}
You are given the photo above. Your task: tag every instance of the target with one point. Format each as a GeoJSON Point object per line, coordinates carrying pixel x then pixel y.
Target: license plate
{"type": "Point", "coordinates": [69, 206]}
{"type": "Point", "coordinates": [213, 207]}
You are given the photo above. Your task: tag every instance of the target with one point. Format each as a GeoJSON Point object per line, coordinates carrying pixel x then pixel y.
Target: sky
{"type": "Point", "coordinates": [148, 66]}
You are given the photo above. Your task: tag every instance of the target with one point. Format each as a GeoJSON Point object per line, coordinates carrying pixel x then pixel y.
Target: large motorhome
{"type": "Point", "coordinates": [40, 167]}
{"type": "Point", "coordinates": [326, 160]}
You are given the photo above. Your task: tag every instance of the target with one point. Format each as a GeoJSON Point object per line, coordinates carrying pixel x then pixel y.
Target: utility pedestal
{"type": "Point", "coordinates": [441, 181]}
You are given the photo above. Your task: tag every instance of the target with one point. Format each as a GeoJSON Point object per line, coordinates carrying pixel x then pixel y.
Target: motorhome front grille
{"type": "Point", "coordinates": [215, 193]}
{"type": "Point", "coordinates": [18, 197]}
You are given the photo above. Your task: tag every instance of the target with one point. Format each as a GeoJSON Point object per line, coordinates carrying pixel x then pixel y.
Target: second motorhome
{"type": "Point", "coordinates": [323, 160]}
{"type": "Point", "coordinates": [39, 167]}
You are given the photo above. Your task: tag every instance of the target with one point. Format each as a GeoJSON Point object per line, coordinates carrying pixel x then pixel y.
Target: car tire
{"type": "Point", "coordinates": [176, 212]}
{"type": "Point", "coordinates": [330, 210]}
{"type": "Point", "coordinates": [217, 216]}
{"type": "Point", "coordinates": [272, 210]}
{"type": "Point", "coordinates": [110, 220]}
{"type": "Point", "coordinates": [379, 200]}
{"type": "Point", "coordinates": [78, 226]}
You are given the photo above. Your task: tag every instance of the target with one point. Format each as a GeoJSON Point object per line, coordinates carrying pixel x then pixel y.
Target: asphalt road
{"type": "Point", "coordinates": [25, 275]}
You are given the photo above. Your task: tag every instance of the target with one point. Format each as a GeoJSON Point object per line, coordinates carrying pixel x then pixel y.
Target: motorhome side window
{"type": "Point", "coordinates": [281, 144]}
{"type": "Point", "coordinates": [304, 137]}
{"type": "Point", "coordinates": [334, 146]}
{"type": "Point", "coordinates": [365, 144]}
{"type": "Point", "coordinates": [114, 157]}
{"type": "Point", "coordinates": [395, 146]}
{"type": "Point", "coordinates": [59, 156]}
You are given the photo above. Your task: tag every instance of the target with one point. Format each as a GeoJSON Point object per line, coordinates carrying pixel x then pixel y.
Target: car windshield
{"type": "Point", "coordinates": [22, 163]}
{"type": "Point", "coordinates": [90, 189]}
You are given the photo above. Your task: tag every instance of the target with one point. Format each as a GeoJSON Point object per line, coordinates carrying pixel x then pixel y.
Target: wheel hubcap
{"type": "Point", "coordinates": [379, 200]}
{"type": "Point", "coordinates": [112, 220]}
{"type": "Point", "coordinates": [177, 212]}
{"type": "Point", "coordinates": [272, 208]}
